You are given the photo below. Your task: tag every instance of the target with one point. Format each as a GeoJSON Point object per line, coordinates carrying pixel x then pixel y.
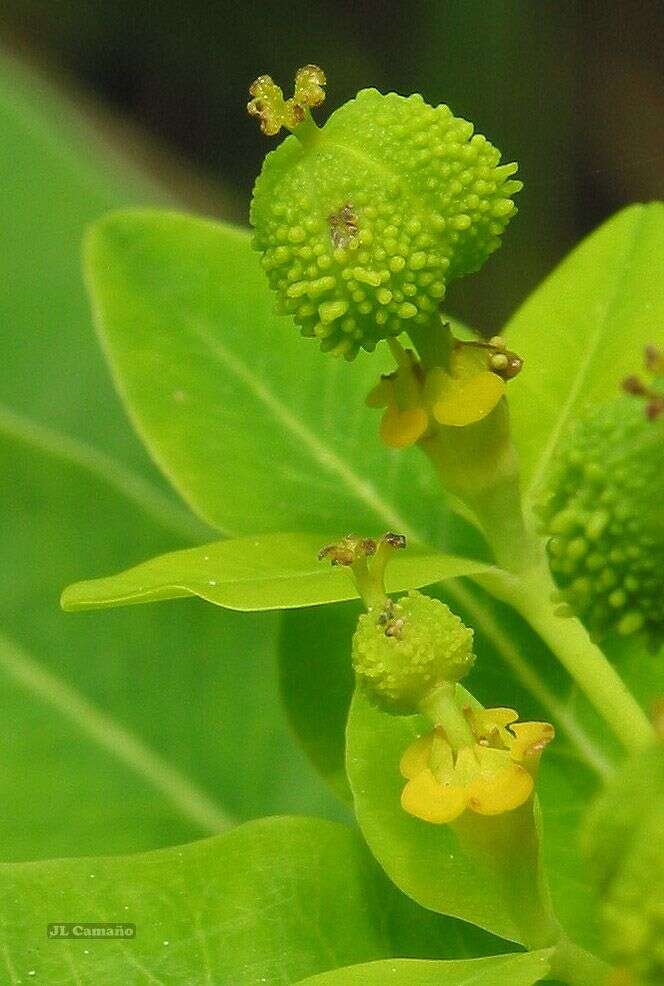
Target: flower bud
{"type": "Point", "coordinates": [363, 223]}
{"type": "Point", "coordinates": [624, 842]}
{"type": "Point", "coordinates": [602, 511]}
{"type": "Point", "coordinates": [402, 652]}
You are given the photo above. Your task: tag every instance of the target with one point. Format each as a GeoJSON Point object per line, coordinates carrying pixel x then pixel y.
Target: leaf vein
{"type": "Point", "coordinates": [362, 489]}
{"type": "Point", "coordinates": [103, 467]}
{"type": "Point", "coordinates": [192, 803]}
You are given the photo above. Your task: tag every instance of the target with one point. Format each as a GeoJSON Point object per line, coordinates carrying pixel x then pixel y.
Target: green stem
{"type": "Point", "coordinates": [441, 708]}
{"type": "Point", "coordinates": [577, 967]}
{"type": "Point", "coordinates": [498, 510]}
{"type": "Point", "coordinates": [369, 587]}
{"type": "Point", "coordinates": [477, 464]}
{"type": "Point", "coordinates": [531, 595]}
{"type": "Point", "coordinates": [307, 132]}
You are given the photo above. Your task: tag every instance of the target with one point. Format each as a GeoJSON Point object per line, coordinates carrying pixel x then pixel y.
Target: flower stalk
{"type": "Point", "coordinates": [478, 465]}
{"type": "Point", "coordinates": [440, 707]}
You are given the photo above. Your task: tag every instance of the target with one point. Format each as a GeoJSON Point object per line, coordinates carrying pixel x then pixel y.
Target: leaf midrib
{"type": "Point", "coordinates": [321, 453]}
{"type": "Point", "coordinates": [104, 468]}
{"type": "Point", "coordinates": [191, 802]}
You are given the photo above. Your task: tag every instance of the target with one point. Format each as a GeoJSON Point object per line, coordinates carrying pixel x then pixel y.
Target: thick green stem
{"type": "Point", "coordinates": [477, 464]}
{"type": "Point", "coordinates": [531, 595]}
{"type": "Point", "coordinates": [498, 510]}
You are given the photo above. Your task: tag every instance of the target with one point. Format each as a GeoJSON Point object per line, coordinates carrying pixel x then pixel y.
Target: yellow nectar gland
{"type": "Point", "coordinates": [415, 400]}
{"type": "Point", "coordinates": [493, 775]}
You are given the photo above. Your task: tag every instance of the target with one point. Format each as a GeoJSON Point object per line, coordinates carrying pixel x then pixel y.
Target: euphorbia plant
{"type": "Point", "coordinates": [550, 484]}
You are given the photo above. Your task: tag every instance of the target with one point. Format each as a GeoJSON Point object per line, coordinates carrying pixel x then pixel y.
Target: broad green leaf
{"type": "Point", "coordinates": [584, 329]}
{"type": "Point", "coordinates": [520, 969]}
{"type": "Point", "coordinates": [125, 731]}
{"type": "Point", "coordinates": [423, 860]}
{"type": "Point", "coordinates": [272, 571]}
{"type": "Point", "coordinates": [255, 427]}
{"type": "Point", "coordinates": [274, 901]}
{"type": "Point", "coordinates": [125, 723]}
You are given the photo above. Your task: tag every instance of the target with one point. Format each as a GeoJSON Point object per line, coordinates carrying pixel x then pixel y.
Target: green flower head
{"type": "Point", "coordinates": [404, 649]}
{"type": "Point", "coordinates": [402, 652]}
{"type": "Point", "coordinates": [602, 512]}
{"type": "Point", "coordinates": [362, 224]}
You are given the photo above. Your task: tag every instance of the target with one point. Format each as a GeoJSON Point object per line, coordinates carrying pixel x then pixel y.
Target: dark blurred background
{"type": "Point", "coordinates": [573, 91]}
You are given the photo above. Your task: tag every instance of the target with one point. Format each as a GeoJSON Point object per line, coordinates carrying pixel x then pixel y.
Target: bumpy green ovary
{"type": "Point", "coordinates": [402, 653]}
{"type": "Point", "coordinates": [603, 512]}
{"type": "Point", "coordinates": [363, 224]}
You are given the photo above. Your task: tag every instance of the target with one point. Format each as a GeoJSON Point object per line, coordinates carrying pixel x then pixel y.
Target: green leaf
{"type": "Point", "coordinates": [423, 860]}
{"type": "Point", "coordinates": [128, 730]}
{"type": "Point", "coordinates": [520, 969]}
{"type": "Point", "coordinates": [584, 329]}
{"type": "Point", "coordinates": [274, 571]}
{"type": "Point", "coordinates": [255, 427]}
{"type": "Point", "coordinates": [314, 661]}
{"type": "Point", "coordinates": [274, 901]}
{"type": "Point", "coordinates": [106, 754]}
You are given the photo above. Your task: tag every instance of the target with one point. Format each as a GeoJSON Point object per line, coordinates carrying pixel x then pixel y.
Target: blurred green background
{"type": "Point", "coordinates": [132, 729]}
